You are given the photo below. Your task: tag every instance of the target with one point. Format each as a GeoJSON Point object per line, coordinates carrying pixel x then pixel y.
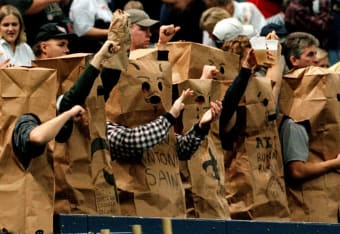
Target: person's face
{"type": "Point", "coordinates": [140, 37]}
{"type": "Point", "coordinates": [10, 28]}
{"type": "Point", "coordinates": [54, 48]}
{"type": "Point", "coordinates": [307, 58]}
{"type": "Point", "coordinates": [324, 62]}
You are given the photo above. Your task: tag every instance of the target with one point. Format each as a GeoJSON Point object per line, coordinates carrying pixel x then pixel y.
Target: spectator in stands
{"type": "Point", "coordinates": [91, 20]}
{"type": "Point", "coordinates": [140, 28]}
{"type": "Point", "coordinates": [13, 39]}
{"type": "Point", "coordinates": [37, 13]}
{"type": "Point", "coordinates": [208, 20]}
{"type": "Point", "coordinates": [229, 29]}
{"type": "Point", "coordinates": [300, 50]}
{"type": "Point", "coordinates": [236, 129]}
{"type": "Point", "coordinates": [52, 41]}
{"type": "Point", "coordinates": [245, 12]}
{"type": "Point", "coordinates": [30, 136]}
{"type": "Point", "coordinates": [306, 169]}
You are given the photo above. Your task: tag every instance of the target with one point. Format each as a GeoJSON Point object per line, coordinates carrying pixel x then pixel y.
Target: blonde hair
{"type": "Point", "coordinates": [321, 53]}
{"type": "Point", "coordinates": [7, 10]}
{"type": "Point", "coordinates": [133, 5]}
{"type": "Point", "coordinates": [237, 46]}
{"type": "Point", "coordinates": [211, 16]}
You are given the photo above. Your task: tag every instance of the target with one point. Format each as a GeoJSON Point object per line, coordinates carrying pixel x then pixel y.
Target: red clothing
{"type": "Point", "coordinates": [299, 16]}
{"type": "Point", "coordinates": [267, 7]}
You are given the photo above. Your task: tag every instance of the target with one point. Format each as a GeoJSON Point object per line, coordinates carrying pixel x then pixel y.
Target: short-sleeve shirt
{"type": "Point", "coordinates": [22, 146]}
{"type": "Point", "coordinates": [294, 139]}
{"type": "Point", "coordinates": [22, 56]}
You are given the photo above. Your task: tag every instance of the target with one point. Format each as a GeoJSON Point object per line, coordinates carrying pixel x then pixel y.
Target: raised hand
{"type": "Point", "coordinates": [250, 60]}
{"type": "Point", "coordinates": [178, 105]}
{"type": "Point", "coordinates": [209, 72]}
{"type": "Point", "coordinates": [212, 114]}
{"type": "Point", "coordinates": [76, 112]}
{"type": "Point", "coordinates": [166, 32]}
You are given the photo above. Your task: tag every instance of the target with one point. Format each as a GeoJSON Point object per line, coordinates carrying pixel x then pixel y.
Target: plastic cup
{"type": "Point", "coordinates": [259, 46]}
{"type": "Point", "coordinates": [272, 46]}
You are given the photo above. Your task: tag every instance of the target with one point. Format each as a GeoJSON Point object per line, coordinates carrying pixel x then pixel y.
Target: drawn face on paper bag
{"type": "Point", "coordinates": [146, 87]}
{"type": "Point", "coordinates": [189, 58]}
{"type": "Point", "coordinates": [195, 106]}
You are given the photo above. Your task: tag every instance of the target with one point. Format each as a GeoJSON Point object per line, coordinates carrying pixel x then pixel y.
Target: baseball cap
{"type": "Point", "coordinates": [53, 31]}
{"type": "Point", "coordinates": [230, 28]}
{"type": "Point", "coordinates": [279, 29]}
{"type": "Point", "coordinates": [140, 18]}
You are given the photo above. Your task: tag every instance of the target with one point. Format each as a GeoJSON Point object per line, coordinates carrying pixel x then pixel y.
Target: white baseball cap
{"type": "Point", "coordinates": [230, 28]}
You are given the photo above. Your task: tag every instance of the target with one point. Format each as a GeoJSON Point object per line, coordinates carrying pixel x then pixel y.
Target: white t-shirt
{"type": "Point", "coordinates": [248, 13]}
{"type": "Point", "coordinates": [22, 56]}
{"type": "Point", "coordinates": [85, 13]}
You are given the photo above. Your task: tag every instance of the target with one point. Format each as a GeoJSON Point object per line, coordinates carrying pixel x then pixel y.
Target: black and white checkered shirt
{"type": "Point", "coordinates": [130, 143]}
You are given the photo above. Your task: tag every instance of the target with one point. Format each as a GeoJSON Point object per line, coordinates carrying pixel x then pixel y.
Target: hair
{"type": "Point", "coordinates": [237, 46]}
{"type": "Point", "coordinates": [133, 5]}
{"type": "Point", "coordinates": [321, 53]}
{"type": "Point", "coordinates": [36, 48]}
{"type": "Point", "coordinates": [211, 16]}
{"type": "Point", "coordinates": [295, 43]}
{"type": "Point", "coordinates": [6, 10]}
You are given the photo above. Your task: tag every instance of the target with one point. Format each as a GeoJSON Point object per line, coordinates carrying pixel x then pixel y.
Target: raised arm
{"type": "Point", "coordinates": [30, 135]}
{"type": "Point", "coordinates": [130, 143]}
{"type": "Point", "coordinates": [47, 131]}
{"type": "Point", "coordinates": [78, 93]}
{"type": "Point", "coordinates": [39, 5]}
{"type": "Point", "coordinates": [275, 69]}
{"type": "Point", "coordinates": [234, 94]}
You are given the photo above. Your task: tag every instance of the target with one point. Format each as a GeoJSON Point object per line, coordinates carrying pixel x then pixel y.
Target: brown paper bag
{"type": "Point", "coordinates": [188, 59]}
{"type": "Point", "coordinates": [313, 94]}
{"type": "Point", "coordinates": [69, 68]}
{"type": "Point", "coordinates": [128, 104]}
{"type": "Point", "coordinates": [206, 167]}
{"type": "Point", "coordinates": [119, 31]}
{"type": "Point", "coordinates": [84, 177]}
{"type": "Point", "coordinates": [151, 187]}
{"type": "Point", "coordinates": [254, 173]}
{"type": "Point", "coordinates": [27, 195]}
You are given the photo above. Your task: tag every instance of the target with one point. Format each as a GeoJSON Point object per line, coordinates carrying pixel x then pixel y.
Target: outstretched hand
{"type": "Point", "coordinates": [212, 114]}
{"type": "Point", "coordinates": [178, 105]}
